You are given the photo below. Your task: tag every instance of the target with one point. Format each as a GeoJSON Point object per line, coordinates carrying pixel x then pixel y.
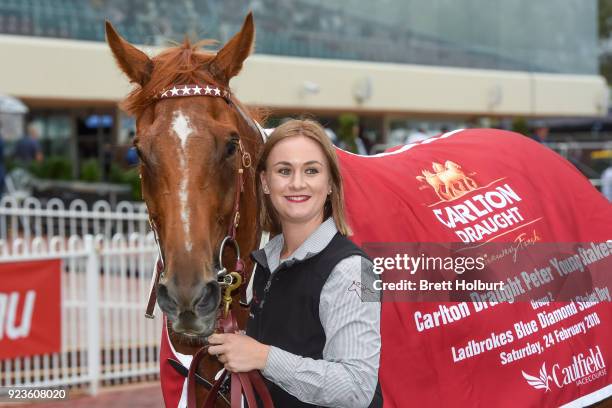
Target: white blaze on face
{"type": "Point", "coordinates": [182, 128]}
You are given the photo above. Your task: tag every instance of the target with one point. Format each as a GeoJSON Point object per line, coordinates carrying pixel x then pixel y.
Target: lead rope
{"type": "Point", "coordinates": [247, 384]}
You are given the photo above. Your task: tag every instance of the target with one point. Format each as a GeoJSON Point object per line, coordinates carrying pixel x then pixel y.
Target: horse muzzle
{"type": "Point", "coordinates": [192, 313]}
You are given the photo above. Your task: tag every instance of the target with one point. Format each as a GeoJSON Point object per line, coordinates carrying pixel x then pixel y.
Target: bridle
{"type": "Point", "coordinates": [241, 383]}
{"type": "Point", "coordinates": [227, 279]}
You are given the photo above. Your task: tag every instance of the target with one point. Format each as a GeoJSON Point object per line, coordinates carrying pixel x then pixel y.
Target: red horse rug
{"type": "Point", "coordinates": [479, 188]}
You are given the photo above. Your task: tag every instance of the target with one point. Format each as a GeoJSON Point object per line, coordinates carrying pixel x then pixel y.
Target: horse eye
{"type": "Point", "coordinates": [141, 157]}
{"type": "Point", "coordinates": [230, 147]}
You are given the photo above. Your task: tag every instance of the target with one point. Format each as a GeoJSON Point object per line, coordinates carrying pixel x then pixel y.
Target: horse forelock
{"type": "Point", "coordinates": [182, 64]}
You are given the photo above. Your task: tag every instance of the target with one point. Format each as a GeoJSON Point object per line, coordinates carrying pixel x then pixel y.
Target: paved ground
{"type": "Point", "coordinates": [146, 395]}
{"type": "Point", "coordinates": [133, 396]}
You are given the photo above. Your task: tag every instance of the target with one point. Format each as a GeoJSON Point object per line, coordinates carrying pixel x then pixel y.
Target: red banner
{"type": "Point", "coordinates": [477, 186]}
{"type": "Point", "coordinates": [30, 308]}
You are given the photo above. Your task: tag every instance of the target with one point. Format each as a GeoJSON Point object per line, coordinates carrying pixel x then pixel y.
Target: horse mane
{"type": "Point", "coordinates": [181, 64]}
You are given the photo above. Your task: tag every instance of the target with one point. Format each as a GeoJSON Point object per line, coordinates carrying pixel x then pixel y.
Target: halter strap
{"type": "Point", "coordinates": [212, 90]}
{"type": "Point", "coordinates": [204, 89]}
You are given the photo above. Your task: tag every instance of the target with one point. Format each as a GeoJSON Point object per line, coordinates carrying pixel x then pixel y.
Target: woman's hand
{"type": "Point", "coordinates": [238, 352]}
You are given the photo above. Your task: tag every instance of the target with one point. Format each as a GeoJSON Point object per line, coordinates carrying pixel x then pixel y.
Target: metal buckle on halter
{"type": "Point", "coordinates": [246, 157]}
{"type": "Point", "coordinates": [236, 222]}
{"type": "Point", "coordinates": [223, 271]}
{"type": "Point", "coordinates": [231, 280]}
{"type": "Point", "coordinates": [235, 281]}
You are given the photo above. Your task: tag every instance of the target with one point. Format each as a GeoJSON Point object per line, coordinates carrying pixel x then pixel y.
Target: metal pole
{"type": "Point", "coordinates": [93, 315]}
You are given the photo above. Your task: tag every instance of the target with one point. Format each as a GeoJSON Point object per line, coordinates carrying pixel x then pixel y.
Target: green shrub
{"type": "Point", "coordinates": [346, 133]}
{"type": "Point", "coordinates": [132, 177]}
{"type": "Point", "coordinates": [520, 125]}
{"type": "Point", "coordinates": [53, 168]}
{"type": "Point", "coordinates": [59, 168]}
{"type": "Point", "coordinates": [90, 171]}
{"type": "Point", "coordinates": [36, 168]}
{"type": "Point", "coordinates": [116, 174]}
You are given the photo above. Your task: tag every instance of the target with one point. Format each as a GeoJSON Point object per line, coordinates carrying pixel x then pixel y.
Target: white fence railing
{"type": "Point", "coordinates": [29, 218]}
{"type": "Point", "coordinates": [107, 258]}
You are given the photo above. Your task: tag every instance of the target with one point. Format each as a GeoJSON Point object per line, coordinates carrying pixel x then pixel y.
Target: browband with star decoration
{"type": "Point", "coordinates": [193, 90]}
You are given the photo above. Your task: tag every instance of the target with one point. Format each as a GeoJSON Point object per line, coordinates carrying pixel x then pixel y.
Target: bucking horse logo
{"type": "Point", "coordinates": [448, 181]}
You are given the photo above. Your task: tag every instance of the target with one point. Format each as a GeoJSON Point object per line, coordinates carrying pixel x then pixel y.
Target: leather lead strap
{"type": "Point", "coordinates": [261, 388]}
{"type": "Point", "coordinates": [235, 220]}
{"type": "Point", "coordinates": [159, 266]}
{"type": "Point", "coordinates": [191, 379]}
{"type": "Point", "coordinates": [248, 384]}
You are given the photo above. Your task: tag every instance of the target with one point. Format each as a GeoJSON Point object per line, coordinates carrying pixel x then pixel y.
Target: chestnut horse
{"type": "Point", "coordinates": [196, 174]}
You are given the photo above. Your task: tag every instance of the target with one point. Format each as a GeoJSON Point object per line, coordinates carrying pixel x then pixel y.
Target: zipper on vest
{"type": "Point", "coordinates": [259, 318]}
{"type": "Point", "coordinates": [268, 284]}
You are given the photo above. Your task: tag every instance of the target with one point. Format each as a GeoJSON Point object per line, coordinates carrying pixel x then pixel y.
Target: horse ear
{"type": "Point", "coordinates": [135, 63]}
{"type": "Point", "coordinates": [228, 61]}
{"type": "Point", "coordinates": [450, 163]}
{"type": "Point", "coordinates": [437, 167]}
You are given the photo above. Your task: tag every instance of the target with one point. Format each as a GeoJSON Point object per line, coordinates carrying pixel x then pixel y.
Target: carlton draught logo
{"type": "Point", "coordinates": [449, 181]}
{"type": "Point", "coordinates": [475, 212]}
{"type": "Point", "coordinates": [582, 370]}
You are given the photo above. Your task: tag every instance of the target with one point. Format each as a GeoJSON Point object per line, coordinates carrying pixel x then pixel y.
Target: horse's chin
{"type": "Point", "coordinates": [191, 337]}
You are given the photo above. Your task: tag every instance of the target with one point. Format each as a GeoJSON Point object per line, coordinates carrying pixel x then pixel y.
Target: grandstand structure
{"type": "Point", "coordinates": [389, 61]}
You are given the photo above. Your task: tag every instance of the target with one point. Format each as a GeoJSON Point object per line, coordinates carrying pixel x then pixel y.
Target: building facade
{"type": "Point", "coordinates": [395, 63]}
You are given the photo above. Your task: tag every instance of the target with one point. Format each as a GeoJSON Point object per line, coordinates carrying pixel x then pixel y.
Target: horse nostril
{"type": "Point", "coordinates": [209, 299]}
{"type": "Point", "coordinates": [165, 301]}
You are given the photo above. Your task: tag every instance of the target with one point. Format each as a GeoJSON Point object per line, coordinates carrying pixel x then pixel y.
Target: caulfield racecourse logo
{"type": "Point", "coordinates": [582, 370]}
{"type": "Point", "coordinates": [449, 181]}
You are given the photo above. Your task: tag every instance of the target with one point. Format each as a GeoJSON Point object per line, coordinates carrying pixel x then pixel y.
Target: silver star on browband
{"type": "Point", "coordinates": [193, 90]}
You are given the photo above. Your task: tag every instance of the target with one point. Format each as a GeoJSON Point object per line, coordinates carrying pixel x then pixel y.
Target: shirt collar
{"type": "Point", "coordinates": [269, 256]}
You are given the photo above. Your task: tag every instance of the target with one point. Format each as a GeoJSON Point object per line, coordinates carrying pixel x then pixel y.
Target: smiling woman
{"type": "Point", "coordinates": [299, 157]}
{"type": "Point", "coordinates": [315, 341]}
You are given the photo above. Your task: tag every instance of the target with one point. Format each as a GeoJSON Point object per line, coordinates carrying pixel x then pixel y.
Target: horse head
{"type": "Point", "coordinates": [427, 174]}
{"type": "Point", "coordinates": [194, 144]}
{"type": "Point", "coordinates": [437, 167]}
{"type": "Point", "coordinates": [451, 165]}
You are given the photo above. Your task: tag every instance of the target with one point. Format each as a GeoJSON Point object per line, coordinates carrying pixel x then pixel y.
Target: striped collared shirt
{"type": "Point", "coordinates": [348, 373]}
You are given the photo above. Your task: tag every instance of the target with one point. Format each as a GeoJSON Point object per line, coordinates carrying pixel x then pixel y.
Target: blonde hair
{"type": "Point", "coordinates": [334, 206]}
